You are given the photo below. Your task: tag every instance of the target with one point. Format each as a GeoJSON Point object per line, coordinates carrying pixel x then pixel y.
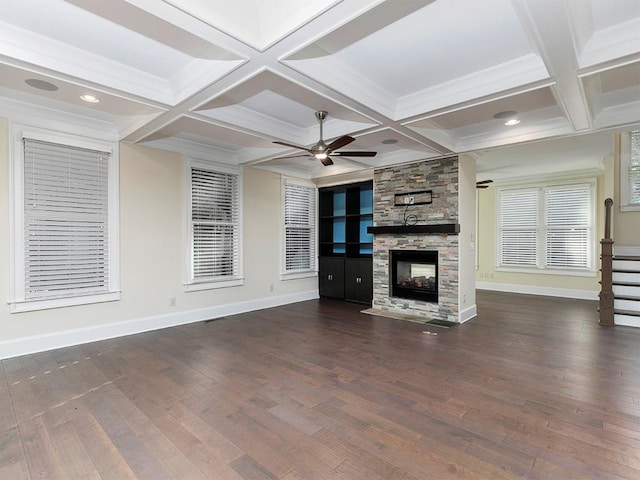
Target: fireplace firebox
{"type": "Point", "coordinates": [414, 274]}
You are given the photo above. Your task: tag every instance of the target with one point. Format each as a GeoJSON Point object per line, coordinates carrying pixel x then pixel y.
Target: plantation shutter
{"type": "Point", "coordinates": [66, 248]}
{"type": "Point", "coordinates": [634, 169]}
{"type": "Point", "coordinates": [518, 227]}
{"type": "Point", "coordinates": [299, 219]}
{"type": "Point", "coordinates": [215, 224]}
{"type": "Point", "coordinates": [568, 226]}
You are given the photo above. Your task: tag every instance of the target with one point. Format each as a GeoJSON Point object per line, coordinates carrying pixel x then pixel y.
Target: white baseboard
{"type": "Point", "coordinates": [468, 313]}
{"type": "Point", "coordinates": [67, 338]}
{"type": "Point", "coordinates": [626, 250]}
{"type": "Point", "coordinates": [534, 290]}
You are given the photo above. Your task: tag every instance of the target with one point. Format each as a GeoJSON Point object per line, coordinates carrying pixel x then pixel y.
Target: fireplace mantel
{"type": "Point", "coordinates": [450, 228]}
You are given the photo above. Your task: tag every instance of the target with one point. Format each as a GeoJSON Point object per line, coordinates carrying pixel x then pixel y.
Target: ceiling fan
{"type": "Point", "coordinates": [324, 152]}
{"type": "Point", "coordinates": [483, 183]}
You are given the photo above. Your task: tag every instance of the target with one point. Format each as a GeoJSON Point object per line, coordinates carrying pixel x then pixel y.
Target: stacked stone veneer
{"type": "Point", "coordinates": [440, 176]}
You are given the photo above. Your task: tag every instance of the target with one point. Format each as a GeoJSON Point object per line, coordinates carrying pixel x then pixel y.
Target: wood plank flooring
{"type": "Point", "coordinates": [532, 388]}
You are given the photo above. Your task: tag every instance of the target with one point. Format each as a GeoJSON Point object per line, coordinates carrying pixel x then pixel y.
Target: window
{"type": "Point", "coordinates": [64, 229]}
{"type": "Point", "coordinates": [299, 228]}
{"type": "Point", "coordinates": [519, 227]}
{"type": "Point", "coordinates": [214, 226]}
{"type": "Point", "coordinates": [630, 171]}
{"type": "Point", "coordinates": [547, 227]}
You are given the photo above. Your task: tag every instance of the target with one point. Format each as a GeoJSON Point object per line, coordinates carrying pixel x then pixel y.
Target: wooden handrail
{"type": "Point", "coordinates": [608, 203]}
{"type": "Point", "coordinates": [606, 270]}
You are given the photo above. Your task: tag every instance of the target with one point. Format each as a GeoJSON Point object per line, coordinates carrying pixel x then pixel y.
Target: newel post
{"type": "Point", "coordinates": [606, 282]}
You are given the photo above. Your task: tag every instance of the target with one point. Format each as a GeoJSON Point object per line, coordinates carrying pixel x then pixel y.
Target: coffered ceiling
{"type": "Point", "coordinates": [409, 79]}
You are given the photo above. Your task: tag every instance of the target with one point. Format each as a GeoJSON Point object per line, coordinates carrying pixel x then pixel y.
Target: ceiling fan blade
{"type": "Point", "coordinates": [354, 154]}
{"type": "Point", "coordinates": [352, 161]}
{"type": "Point", "coordinates": [482, 186]}
{"type": "Point", "coordinates": [292, 145]}
{"type": "Point", "coordinates": [328, 150]}
{"type": "Point", "coordinates": [340, 142]}
{"type": "Point", "coordinates": [326, 161]}
{"type": "Point", "coordinates": [302, 155]}
{"type": "Point", "coordinates": [481, 182]}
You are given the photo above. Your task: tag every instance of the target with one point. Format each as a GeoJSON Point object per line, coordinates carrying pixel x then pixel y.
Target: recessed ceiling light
{"type": "Point", "coordinates": [509, 115]}
{"type": "Point", "coordinates": [389, 141]}
{"type": "Point", "coordinates": [505, 114]}
{"type": "Point", "coordinates": [41, 84]}
{"type": "Point", "coordinates": [89, 98]}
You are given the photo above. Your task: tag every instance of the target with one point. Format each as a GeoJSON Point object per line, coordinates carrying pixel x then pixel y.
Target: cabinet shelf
{"type": "Point", "coordinates": [346, 247]}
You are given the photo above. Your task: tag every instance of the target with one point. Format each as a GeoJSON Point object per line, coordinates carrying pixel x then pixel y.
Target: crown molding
{"type": "Point", "coordinates": [555, 127]}
{"type": "Point", "coordinates": [16, 44]}
{"type": "Point", "coordinates": [347, 80]}
{"type": "Point", "coordinates": [194, 149]}
{"type": "Point", "coordinates": [617, 41]}
{"type": "Point", "coordinates": [44, 117]}
{"type": "Point", "coordinates": [508, 75]}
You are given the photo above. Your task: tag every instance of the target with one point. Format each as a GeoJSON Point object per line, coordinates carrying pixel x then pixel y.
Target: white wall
{"type": "Point", "coordinates": [152, 252]}
{"type": "Point", "coordinates": [466, 238]}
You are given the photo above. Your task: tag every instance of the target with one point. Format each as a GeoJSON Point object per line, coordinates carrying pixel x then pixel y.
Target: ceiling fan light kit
{"type": "Point", "coordinates": [323, 152]}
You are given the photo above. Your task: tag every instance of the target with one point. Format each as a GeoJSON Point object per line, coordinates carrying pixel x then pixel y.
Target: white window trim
{"type": "Point", "coordinates": [625, 162]}
{"type": "Point", "coordinates": [17, 301]}
{"type": "Point", "coordinates": [540, 268]}
{"type": "Point", "coordinates": [189, 284]}
{"type": "Point", "coordinates": [297, 274]}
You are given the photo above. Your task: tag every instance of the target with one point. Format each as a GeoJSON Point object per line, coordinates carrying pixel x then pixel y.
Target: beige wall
{"type": "Point", "coordinates": [152, 248]}
{"type": "Point", "coordinates": [488, 275]}
{"type": "Point", "coordinates": [466, 238]}
{"type": "Point", "coordinates": [626, 225]}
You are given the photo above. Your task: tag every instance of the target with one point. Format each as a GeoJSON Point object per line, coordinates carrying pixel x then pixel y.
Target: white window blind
{"type": "Point", "coordinates": [300, 231]}
{"type": "Point", "coordinates": [568, 226]}
{"type": "Point", "coordinates": [518, 227]}
{"type": "Point", "coordinates": [546, 227]}
{"type": "Point", "coordinates": [634, 169]}
{"type": "Point", "coordinates": [66, 220]}
{"type": "Point", "coordinates": [215, 225]}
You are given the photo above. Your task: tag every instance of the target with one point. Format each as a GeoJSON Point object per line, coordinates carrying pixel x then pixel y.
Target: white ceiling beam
{"type": "Point", "coordinates": [548, 25]}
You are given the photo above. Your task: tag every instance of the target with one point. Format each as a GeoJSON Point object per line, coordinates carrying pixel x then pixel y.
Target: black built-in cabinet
{"type": "Point", "coordinates": [346, 268]}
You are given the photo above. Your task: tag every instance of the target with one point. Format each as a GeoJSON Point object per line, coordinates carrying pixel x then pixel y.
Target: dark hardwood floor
{"type": "Point", "coordinates": [531, 388]}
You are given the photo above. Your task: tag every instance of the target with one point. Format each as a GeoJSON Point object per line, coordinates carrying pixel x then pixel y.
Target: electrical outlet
{"type": "Point", "coordinates": [172, 301]}
{"type": "Point", "coordinates": [409, 200]}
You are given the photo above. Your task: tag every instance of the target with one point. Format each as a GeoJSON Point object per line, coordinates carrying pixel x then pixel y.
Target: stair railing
{"type": "Point", "coordinates": [606, 270]}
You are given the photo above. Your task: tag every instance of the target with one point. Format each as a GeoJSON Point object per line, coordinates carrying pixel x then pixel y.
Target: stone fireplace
{"type": "Point", "coordinates": [446, 307]}
{"type": "Point", "coordinates": [431, 238]}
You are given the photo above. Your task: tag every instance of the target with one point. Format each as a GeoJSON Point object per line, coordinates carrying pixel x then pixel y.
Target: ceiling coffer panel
{"type": "Point", "coordinates": [408, 80]}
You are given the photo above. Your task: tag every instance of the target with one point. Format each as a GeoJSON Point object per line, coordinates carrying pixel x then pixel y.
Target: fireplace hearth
{"type": "Point", "coordinates": [414, 274]}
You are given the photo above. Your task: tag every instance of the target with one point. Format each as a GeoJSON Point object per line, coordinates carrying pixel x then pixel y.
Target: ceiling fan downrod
{"type": "Point", "coordinates": [320, 148]}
